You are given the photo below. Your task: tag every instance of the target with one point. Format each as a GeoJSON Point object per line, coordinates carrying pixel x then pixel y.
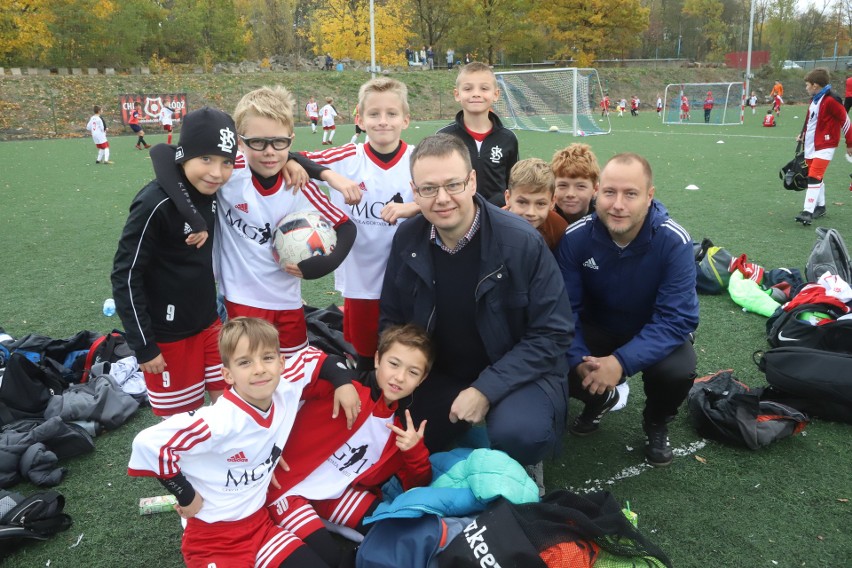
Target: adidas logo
{"type": "Point", "coordinates": [186, 229]}
{"type": "Point", "coordinates": [239, 457]}
{"type": "Point", "coordinates": [242, 207]}
{"type": "Point", "coordinates": [591, 264]}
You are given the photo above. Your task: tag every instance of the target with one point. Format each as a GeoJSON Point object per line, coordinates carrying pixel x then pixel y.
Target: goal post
{"type": "Point", "coordinates": [564, 100]}
{"type": "Point", "coordinates": [704, 103]}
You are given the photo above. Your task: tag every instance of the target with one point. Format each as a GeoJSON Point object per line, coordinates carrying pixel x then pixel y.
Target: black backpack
{"type": "Point", "coordinates": [786, 329]}
{"type": "Point", "coordinates": [712, 268]}
{"type": "Point", "coordinates": [36, 517]}
{"type": "Point", "coordinates": [794, 174]}
{"type": "Point", "coordinates": [107, 349]}
{"type": "Point", "coordinates": [724, 409]}
{"type": "Point", "coordinates": [829, 255]}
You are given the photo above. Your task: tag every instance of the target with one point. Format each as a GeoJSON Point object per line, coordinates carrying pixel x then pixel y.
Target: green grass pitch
{"type": "Point", "coordinates": [786, 505]}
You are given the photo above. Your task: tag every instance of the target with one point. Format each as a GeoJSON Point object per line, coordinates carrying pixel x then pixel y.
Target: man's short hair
{"type": "Point", "coordinates": [534, 175]}
{"type": "Point", "coordinates": [410, 335]}
{"type": "Point", "coordinates": [818, 76]}
{"type": "Point", "coordinates": [275, 103]}
{"type": "Point", "coordinates": [260, 333]}
{"type": "Point", "coordinates": [576, 161]}
{"type": "Point", "coordinates": [384, 85]}
{"type": "Point", "coordinates": [630, 157]}
{"type": "Point", "coordinates": [475, 67]}
{"type": "Point", "coordinates": [440, 146]}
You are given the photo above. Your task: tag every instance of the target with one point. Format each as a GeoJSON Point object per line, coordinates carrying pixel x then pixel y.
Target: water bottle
{"type": "Point", "coordinates": [109, 307]}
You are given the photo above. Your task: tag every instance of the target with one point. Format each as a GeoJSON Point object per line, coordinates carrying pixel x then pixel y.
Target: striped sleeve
{"type": "Point", "coordinates": [157, 450]}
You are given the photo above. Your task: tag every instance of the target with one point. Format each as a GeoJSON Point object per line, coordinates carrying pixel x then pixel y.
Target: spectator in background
{"type": "Point", "coordinates": [451, 58]}
{"type": "Point", "coordinates": [423, 57]}
{"type": "Point", "coordinates": [430, 57]}
{"type": "Point", "coordinates": [847, 101]}
{"type": "Point", "coordinates": [329, 62]}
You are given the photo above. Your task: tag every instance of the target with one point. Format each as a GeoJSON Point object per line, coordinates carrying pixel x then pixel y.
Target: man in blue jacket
{"type": "Point", "coordinates": [483, 283]}
{"type": "Point", "coordinates": [629, 270]}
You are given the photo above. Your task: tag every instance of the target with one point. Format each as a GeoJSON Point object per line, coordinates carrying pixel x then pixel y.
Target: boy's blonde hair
{"type": "Point", "coordinates": [534, 175]}
{"type": "Point", "coordinates": [576, 161]}
{"type": "Point", "coordinates": [410, 335]}
{"type": "Point", "coordinates": [383, 85]}
{"type": "Point", "coordinates": [475, 67]}
{"type": "Point", "coordinates": [275, 103]}
{"type": "Point", "coordinates": [329, 100]}
{"type": "Point", "coordinates": [260, 333]}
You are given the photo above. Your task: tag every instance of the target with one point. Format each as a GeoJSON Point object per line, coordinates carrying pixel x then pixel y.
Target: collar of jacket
{"type": "Point", "coordinates": [655, 217]}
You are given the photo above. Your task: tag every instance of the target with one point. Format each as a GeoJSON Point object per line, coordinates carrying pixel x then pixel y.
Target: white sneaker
{"type": "Point", "coordinates": [623, 392]}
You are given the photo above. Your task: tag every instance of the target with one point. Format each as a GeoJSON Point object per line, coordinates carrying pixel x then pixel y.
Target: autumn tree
{"type": "Point", "coordinates": [488, 24]}
{"type": "Point", "coordinates": [270, 23]}
{"type": "Point", "coordinates": [342, 28]}
{"type": "Point", "coordinates": [586, 30]}
{"type": "Point", "coordinates": [24, 31]}
{"type": "Point", "coordinates": [706, 19]}
{"type": "Point", "coordinates": [198, 30]}
{"type": "Point", "coordinates": [431, 18]}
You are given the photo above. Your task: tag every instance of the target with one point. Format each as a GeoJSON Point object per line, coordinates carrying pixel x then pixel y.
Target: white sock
{"type": "Point", "coordinates": [811, 197]}
{"type": "Point", "coordinates": [324, 135]}
{"type": "Point", "coordinates": [821, 198]}
{"type": "Point", "coordinates": [100, 154]}
{"type": "Point", "coordinates": [330, 135]}
{"type": "Point", "coordinates": [106, 154]}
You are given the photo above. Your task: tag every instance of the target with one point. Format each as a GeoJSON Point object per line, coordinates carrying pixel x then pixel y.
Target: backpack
{"type": "Point", "coordinates": [792, 328]}
{"type": "Point", "coordinates": [37, 517]}
{"type": "Point", "coordinates": [829, 255]}
{"type": "Point", "coordinates": [811, 380]}
{"type": "Point", "coordinates": [106, 349]}
{"type": "Point", "coordinates": [724, 409]}
{"type": "Point", "coordinates": [712, 268]}
{"type": "Point", "coordinates": [794, 174]}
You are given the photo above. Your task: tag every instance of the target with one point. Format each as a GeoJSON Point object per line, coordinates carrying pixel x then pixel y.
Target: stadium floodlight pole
{"type": "Point", "coordinates": [747, 91]}
{"type": "Point", "coordinates": [372, 40]}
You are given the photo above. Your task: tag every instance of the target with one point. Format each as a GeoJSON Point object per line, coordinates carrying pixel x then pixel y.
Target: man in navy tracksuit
{"type": "Point", "coordinates": [629, 271]}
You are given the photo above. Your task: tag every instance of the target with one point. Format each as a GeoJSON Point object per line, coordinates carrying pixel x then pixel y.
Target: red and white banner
{"type": "Point", "coordinates": [152, 105]}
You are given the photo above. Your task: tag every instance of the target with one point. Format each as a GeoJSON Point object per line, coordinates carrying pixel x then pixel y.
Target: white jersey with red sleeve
{"type": "Point", "coordinates": [362, 272]}
{"type": "Point", "coordinates": [247, 215]}
{"type": "Point", "coordinates": [97, 128]}
{"type": "Point", "coordinates": [227, 451]}
{"type": "Point", "coordinates": [312, 110]}
{"type": "Point", "coordinates": [328, 113]}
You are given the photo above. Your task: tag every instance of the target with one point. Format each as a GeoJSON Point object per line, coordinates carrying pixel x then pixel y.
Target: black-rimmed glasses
{"type": "Point", "coordinates": [451, 188]}
{"type": "Point", "coordinates": [260, 144]}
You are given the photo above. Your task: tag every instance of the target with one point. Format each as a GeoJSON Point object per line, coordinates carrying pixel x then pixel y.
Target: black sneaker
{"type": "Point", "coordinates": [819, 211]}
{"type": "Point", "coordinates": [805, 218]}
{"type": "Point", "coordinates": [590, 419]}
{"type": "Point", "coordinates": [658, 452]}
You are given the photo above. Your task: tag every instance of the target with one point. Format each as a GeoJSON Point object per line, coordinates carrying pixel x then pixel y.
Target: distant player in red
{"type": "Point", "coordinates": [166, 119]}
{"type": "Point", "coordinates": [133, 122]}
{"type": "Point", "coordinates": [708, 106]}
{"type": "Point", "coordinates": [769, 119]}
{"type": "Point", "coordinates": [776, 104]}
{"type": "Point", "coordinates": [634, 106]}
{"type": "Point", "coordinates": [659, 104]}
{"type": "Point", "coordinates": [684, 108]}
{"type": "Point", "coordinates": [605, 106]}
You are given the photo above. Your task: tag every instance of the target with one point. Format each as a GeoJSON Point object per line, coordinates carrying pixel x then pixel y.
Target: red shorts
{"type": "Point", "coordinates": [167, 127]}
{"type": "Point", "coordinates": [303, 517]}
{"type": "Point", "coordinates": [253, 541]}
{"type": "Point", "coordinates": [292, 330]}
{"type": "Point", "coordinates": [817, 167]}
{"type": "Point", "coordinates": [314, 119]}
{"type": "Point", "coordinates": [193, 365]}
{"type": "Point", "coordinates": [332, 127]}
{"type": "Point", "coordinates": [361, 325]}
{"type": "Point", "coordinates": [102, 145]}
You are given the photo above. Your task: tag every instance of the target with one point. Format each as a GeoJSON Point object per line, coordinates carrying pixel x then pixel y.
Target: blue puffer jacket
{"type": "Point", "coordinates": [645, 291]}
{"type": "Point", "coordinates": [522, 312]}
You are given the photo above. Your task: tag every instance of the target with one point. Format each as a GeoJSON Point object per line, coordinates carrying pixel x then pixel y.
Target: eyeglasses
{"type": "Point", "coordinates": [451, 188]}
{"type": "Point", "coordinates": [260, 144]}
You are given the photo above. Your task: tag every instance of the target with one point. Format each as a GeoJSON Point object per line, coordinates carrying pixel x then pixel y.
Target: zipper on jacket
{"type": "Point", "coordinates": [484, 278]}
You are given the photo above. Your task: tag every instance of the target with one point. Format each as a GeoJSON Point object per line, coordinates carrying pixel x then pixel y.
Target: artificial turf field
{"type": "Point", "coordinates": [786, 505]}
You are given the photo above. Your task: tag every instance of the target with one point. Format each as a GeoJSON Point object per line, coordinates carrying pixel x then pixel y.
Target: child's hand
{"type": "Point", "coordinates": [155, 366]}
{"type": "Point", "coordinates": [393, 212]}
{"type": "Point", "coordinates": [408, 438]}
{"type": "Point", "coordinates": [283, 465]}
{"type": "Point", "coordinates": [347, 397]}
{"type": "Point", "coordinates": [197, 239]}
{"type": "Point", "coordinates": [295, 176]}
{"type": "Point", "coordinates": [192, 509]}
{"type": "Point", "coordinates": [350, 190]}
{"type": "Point", "coordinates": [293, 270]}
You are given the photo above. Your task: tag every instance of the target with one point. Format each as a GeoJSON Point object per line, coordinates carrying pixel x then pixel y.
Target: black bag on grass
{"type": "Point", "coordinates": [724, 409]}
{"type": "Point", "coordinates": [712, 268]}
{"type": "Point", "coordinates": [787, 329]}
{"type": "Point", "coordinates": [821, 381]}
{"type": "Point", "coordinates": [37, 517]}
{"type": "Point", "coordinates": [794, 174]}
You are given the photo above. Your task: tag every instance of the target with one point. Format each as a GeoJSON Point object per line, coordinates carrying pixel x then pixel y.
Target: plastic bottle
{"type": "Point", "coordinates": [109, 307]}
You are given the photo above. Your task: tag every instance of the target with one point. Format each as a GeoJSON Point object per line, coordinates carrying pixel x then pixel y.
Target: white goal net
{"type": "Point", "coordinates": [704, 103]}
{"type": "Point", "coordinates": [555, 100]}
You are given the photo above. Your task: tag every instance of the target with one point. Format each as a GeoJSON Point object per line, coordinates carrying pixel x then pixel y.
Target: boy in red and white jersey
{"type": "Point", "coordinates": [167, 114]}
{"type": "Point", "coordinates": [250, 206]}
{"type": "Point", "coordinates": [336, 473]}
{"type": "Point", "coordinates": [98, 128]}
{"type": "Point", "coordinates": [825, 123]}
{"type": "Point", "coordinates": [328, 112]}
{"type": "Point", "coordinates": [381, 168]}
{"type": "Point", "coordinates": [218, 460]}
{"type": "Point", "coordinates": [312, 112]}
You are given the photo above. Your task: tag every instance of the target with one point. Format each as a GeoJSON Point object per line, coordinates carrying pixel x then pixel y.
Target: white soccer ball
{"type": "Point", "coordinates": [581, 133]}
{"type": "Point", "coordinates": [302, 235]}
{"type": "Point", "coordinates": [553, 128]}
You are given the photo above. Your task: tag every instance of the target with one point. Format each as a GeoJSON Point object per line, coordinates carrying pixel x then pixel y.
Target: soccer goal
{"type": "Point", "coordinates": [554, 100]}
{"type": "Point", "coordinates": [687, 103]}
